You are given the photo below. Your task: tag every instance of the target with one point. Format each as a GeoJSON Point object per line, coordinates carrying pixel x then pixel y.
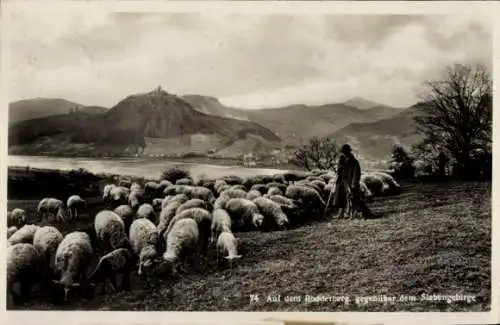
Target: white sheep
{"type": "Point", "coordinates": [221, 221]}
{"type": "Point", "coordinates": [182, 242]}
{"type": "Point", "coordinates": [204, 220]}
{"type": "Point", "coordinates": [46, 240]}
{"type": "Point", "coordinates": [194, 203]}
{"type": "Point", "coordinates": [199, 192]}
{"type": "Point", "coordinates": [106, 192]}
{"type": "Point", "coordinates": [220, 185]}
{"type": "Point", "coordinates": [238, 187]}
{"type": "Point", "coordinates": [119, 195]}
{"type": "Point", "coordinates": [227, 247]}
{"type": "Point", "coordinates": [272, 210]}
{"type": "Point", "coordinates": [17, 217]}
{"type": "Point", "coordinates": [389, 180]}
{"type": "Point", "coordinates": [181, 198]}
{"type": "Point", "coordinates": [135, 187]}
{"type": "Point", "coordinates": [166, 215]}
{"type": "Point", "coordinates": [184, 181]}
{"type": "Point", "coordinates": [253, 194]}
{"type": "Point", "coordinates": [126, 213]}
{"type": "Point", "coordinates": [176, 189]}
{"type": "Point", "coordinates": [75, 204]}
{"type": "Point", "coordinates": [52, 206]}
{"type": "Point", "coordinates": [25, 266]}
{"type": "Point", "coordinates": [73, 257]}
{"type": "Point", "coordinates": [11, 231]}
{"type": "Point", "coordinates": [244, 211]}
{"type": "Point", "coordinates": [375, 183]}
{"type": "Point", "coordinates": [110, 230]}
{"type": "Point", "coordinates": [116, 262]}
{"type": "Point", "coordinates": [24, 235]}
{"type": "Point", "coordinates": [226, 195]}
{"type": "Point", "coordinates": [262, 188]}
{"type": "Point", "coordinates": [141, 233]}
{"type": "Point", "coordinates": [307, 196]}
{"type": "Point", "coordinates": [135, 198]}
{"type": "Point", "coordinates": [147, 211]}
{"type": "Point", "coordinates": [273, 190]}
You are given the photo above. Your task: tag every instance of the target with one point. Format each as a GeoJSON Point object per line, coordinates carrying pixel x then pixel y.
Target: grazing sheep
{"type": "Point", "coordinates": [253, 194]}
{"type": "Point", "coordinates": [329, 176]}
{"type": "Point", "coordinates": [51, 206]}
{"type": "Point", "coordinates": [46, 240]}
{"type": "Point", "coordinates": [202, 193]}
{"type": "Point", "coordinates": [11, 231]}
{"type": "Point", "coordinates": [365, 191]}
{"type": "Point", "coordinates": [274, 191]}
{"type": "Point", "coordinates": [232, 180]}
{"type": "Point", "coordinates": [259, 187]}
{"type": "Point", "coordinates": [309, 185]}
{"type": "Point", "coordinates": [389, 180]}
{"type": "Point", "coordinates": [375, 183]}
{"type": "Point", "coordinates": [135, 198]}
{"type": "Point", "coordinates": [283, 201]}
{"type": "Point", "coordinates": [180, 198]}
{"type": "Point", "coordinates": [221, 221]}
{"type": "Point", "coordinates": [204, 220]}
{"type": "Point", "coordinates": [24, 266]}
{"type": "Point", "coordinates": [313, 178]}
{"type": "Point", "coordinates": [184, 181]}
{"type": "Point", "coordinates": [119, 261]}
{"type": "Point", "coordinates": [151, 189]}
{"type": "Point", "coordinates": [226, 195]}
{"type": "Point", "coordinates": [182, 242]}
{"type": "Point", "coordinates": [222, 188]}
{"type": "Point", "coordinates": [17, 217]}
{"type": "Point", "coordinates": [157, 204]}
{"type": "Point", "coordinates": [75, 204]}
{"type": "Point", "coordinates": [279, 178]}
{"type": "Point", "coordinates": [141, 235]}
{"type": "Point", "coordinates": [119, 195]}
{"type": "Point", "coordinates": [281, 186]}
{"type": "Point", "coordinates": [126, 213]}
{"type": "Point", "coordinates": [244, 211]}
{"type": "Point", "coordinates": [227, 247]}
{"type": "Point", "coordinates": [262, 179]}
{"type": "Point", "coordinates": [293, 176]}
{"type": "Point", "coordinates": [163, 185]}
{"type": "Point", "coordinates": [176, 189]}
{"type": "Point", "coordinates": [135, 187]}
{"type": "Point", "coordinates": [307, 196]}
{"type": "Point", "coordinates": [319, 184]}
{"type": "Point", "coordinates": [238, 187]}
{"type": "Point", "coordinates": [193, 203]}
{"type": "Point", "coordinates": [107, 191]}
{"type": "Point", "coordinates": [73, 257]}
{"type": "Point", "coordinates": [272, 210]}
{"type": "Point", "coordinates": [166, 216]}
{"type": "Point", "coordinates": [147, 211]}
{"type": "Point", "coordinates": [207, 183]}
{"type": "Point", "coordinates": [110, 231]}
{"type": "Point", "coordinates": [24, 235]}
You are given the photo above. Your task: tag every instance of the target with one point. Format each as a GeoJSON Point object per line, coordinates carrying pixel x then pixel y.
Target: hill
{"type": "Point", "coordinates": [211, 105]}
{"type": "Point", "coordinates": [27, 109]}
{"type": "Point", "coordinates": [297, 123]}
{"type": "Point", "coordinates": [374, 140]}
{"type": "Point", "coordinates": [132, 125]}
{"type": "Point", "coordinates": [361, 103]}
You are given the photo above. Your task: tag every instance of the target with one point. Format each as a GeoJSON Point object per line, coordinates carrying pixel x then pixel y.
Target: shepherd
{"type": "Point", "coordinates": [347, 191]}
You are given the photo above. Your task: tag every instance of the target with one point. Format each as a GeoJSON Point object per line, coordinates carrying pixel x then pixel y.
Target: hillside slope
{"type": "Point", "coordinates": [361, 103]}
{"type": "Point", "coordinates": [28, 109]}
{"type": "Point", "coordinates": [130, 125]}
{"type": "Point", "coordinates": [211, 105]}
{"type": "Point", "coordinates": [374, 140]}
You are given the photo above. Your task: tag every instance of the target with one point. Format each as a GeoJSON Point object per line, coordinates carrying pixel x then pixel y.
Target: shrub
{"type": "Point", "coordinates": [173, 174]}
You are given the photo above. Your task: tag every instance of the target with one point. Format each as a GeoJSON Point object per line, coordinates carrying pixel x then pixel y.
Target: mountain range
{"type": "Point", "coordinates": [161, 123]}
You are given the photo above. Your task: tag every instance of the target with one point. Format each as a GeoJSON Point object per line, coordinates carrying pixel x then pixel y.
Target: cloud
{"type": "Point", "coordinates": [247, 61]}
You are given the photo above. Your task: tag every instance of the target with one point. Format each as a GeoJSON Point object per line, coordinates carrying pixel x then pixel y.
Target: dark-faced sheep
{"type": "Point", "coordinates": [147, 211]}
{"type": "Point", "coordinates": [244, 212]}
{"type": "Point", "coordinates": [119, 195]}
{"type": "Point", "coordinates": [141, 235]}
{"type": "Point", "coordinates": [24, 266]}
{"type": "Point", "coordinates": [17, 217]}
{"type": "Point", "coordinates": [51, 206]}
{"type": "Point", "coordinates": [182, 242]}
{"type": "Point", "coordinates": [227, 247]}
{"type": "Point", "coordinates": [221, 221]}
{"type": "Point", "coordinates": [117, 262]}
{"type": "Point", "coordinates": [46, 240]}
{"type": "Point", "coordinates": [204, 220]}
{"type": "Point", "coordinates": [157, 204]}
{"type": "Point", "coordinates": [73, 257]}
{"type": "Point", "coordinates": [272, 211]}
{"type": "Point", "coordinates": [110, 231]}
{"type": "Point", "coordinates": [75, 205]}
{"type": "Point", "coordinates": [23, 235]}
{"type": "Point", "coordinates": [151, 189]}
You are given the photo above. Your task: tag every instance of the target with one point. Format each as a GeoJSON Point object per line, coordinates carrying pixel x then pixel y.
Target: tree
{"type": "Point", "coordinates": [402, 162]}
{"type": "Point", "coordinates": [318, 153]}
{"type": "Point", "coordinates": [456, 115]}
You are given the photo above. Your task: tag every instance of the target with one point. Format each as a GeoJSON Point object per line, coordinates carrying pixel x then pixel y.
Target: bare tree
{"type": "Point", "coordinates": [456, 114]}
{"type": "Point", "coordinates": [318, 153]}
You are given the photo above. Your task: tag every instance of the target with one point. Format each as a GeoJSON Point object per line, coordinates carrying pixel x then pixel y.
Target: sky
{"type": "Point", "coordinates": [246, 61]}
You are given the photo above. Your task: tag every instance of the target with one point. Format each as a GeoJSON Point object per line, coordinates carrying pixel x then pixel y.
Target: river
{"type": "Point", "coordinates": [141, 167]}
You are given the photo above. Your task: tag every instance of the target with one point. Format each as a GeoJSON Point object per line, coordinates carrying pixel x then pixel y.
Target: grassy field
{"type": "Point", "coordinates": [431, 238]}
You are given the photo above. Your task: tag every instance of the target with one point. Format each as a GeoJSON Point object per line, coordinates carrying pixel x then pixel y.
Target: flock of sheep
{"type": "Point", "coordinates": [161, 225]}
